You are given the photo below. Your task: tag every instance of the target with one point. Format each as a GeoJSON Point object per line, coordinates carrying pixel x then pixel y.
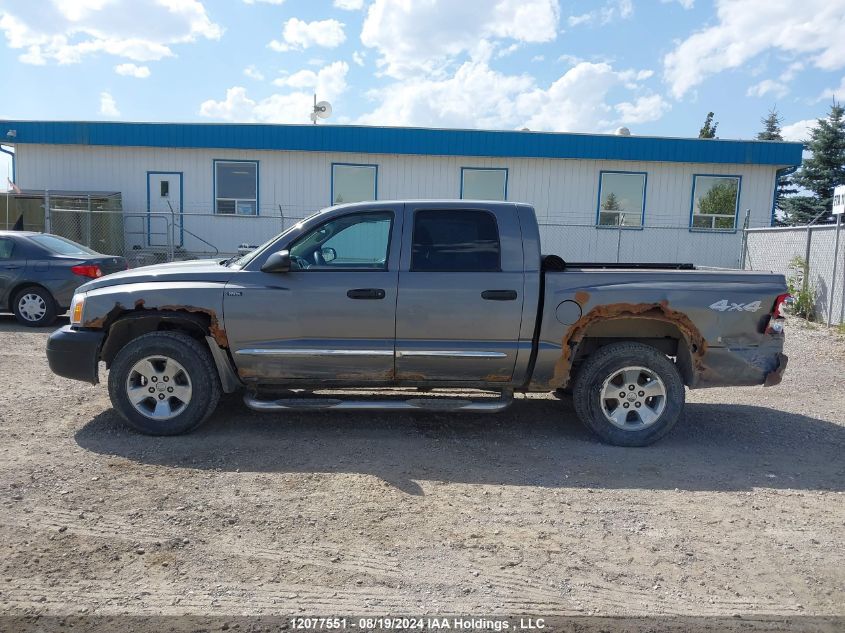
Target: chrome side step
{"type": "Point", "coordinates": [413, 404]}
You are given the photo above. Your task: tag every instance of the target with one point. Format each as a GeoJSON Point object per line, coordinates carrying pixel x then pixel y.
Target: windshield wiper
{"type": "Point", "coordinates": [231, 260]}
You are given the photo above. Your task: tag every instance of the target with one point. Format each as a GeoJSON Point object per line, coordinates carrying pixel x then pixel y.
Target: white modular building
{"type": "Point", "coordinates": [208, 188]}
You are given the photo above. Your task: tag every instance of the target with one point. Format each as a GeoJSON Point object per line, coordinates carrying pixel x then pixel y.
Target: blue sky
{"type": "Point", "coordinates": [654, 66]}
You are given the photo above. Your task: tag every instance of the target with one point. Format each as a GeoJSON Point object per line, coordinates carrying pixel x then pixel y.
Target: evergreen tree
{"type": "Point", "coordinates": [771, 127]}
{"type": "Point", "coordinates": [772, 132]}
{"type": "Point", "coordinates": [822, 171]}
{"type": "Point", "coordinates": [611, 203]}
{"type": "Point", "coordinates": [708, 130]}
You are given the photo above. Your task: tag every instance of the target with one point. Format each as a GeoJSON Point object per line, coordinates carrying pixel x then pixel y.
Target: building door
{"type": "Point", "coordinates": [164, 208]}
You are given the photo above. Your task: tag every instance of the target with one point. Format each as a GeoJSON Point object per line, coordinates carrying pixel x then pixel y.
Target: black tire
{"type": "Point", "coordinates": [49, 307]}
{"type": "Point", "coordinates": [196, 363]}
{"type": "Point", "coordinates": [605, 364]}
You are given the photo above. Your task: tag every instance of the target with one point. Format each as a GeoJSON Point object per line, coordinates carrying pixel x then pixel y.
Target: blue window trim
{"type": "Point", "coordinates": [504, 169]}
{"type": "Point", "coordinates": [692, 203]}
{"type": "Point", "coordinates": [331, 178]}
{"type": "Point", "coordinates": [181, 203]}
{"type": "Point", "coordinates": [214, 185]}
{"type": "Point", "coordinates": [598, 200]}
{"type": "Point", "coordinates": [12, 154]}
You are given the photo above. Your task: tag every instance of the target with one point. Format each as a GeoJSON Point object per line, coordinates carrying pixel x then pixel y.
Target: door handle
{"type": "Point", "coordinates": [499, 295]}
{"type": "Point", "coordinates": [12, 266]}
{"type": "Point", "coordinates": [365, 293]}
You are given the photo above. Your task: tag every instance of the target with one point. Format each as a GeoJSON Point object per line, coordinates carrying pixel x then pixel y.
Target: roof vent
{"type": "Point", "coordinates": [622, 131]}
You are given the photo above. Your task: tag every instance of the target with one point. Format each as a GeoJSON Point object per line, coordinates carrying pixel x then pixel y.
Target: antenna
{"type": "Point", "coordinates": [322, 110]}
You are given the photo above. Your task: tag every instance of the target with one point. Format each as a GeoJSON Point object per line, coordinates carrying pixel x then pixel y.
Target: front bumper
{"type": "Point", "coordinates": [75, 353]}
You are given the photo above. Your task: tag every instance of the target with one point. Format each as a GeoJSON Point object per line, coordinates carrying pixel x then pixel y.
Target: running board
{"type": "Point", "coordinates": [413, 404]}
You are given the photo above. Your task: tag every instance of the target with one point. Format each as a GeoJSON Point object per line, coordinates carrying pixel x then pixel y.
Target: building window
{"type": "Point", "coordinates": [164, 186]}
{"type": "Point", "coordinates": [715, 200]}
{"type": "Point", "coordinates": [236, 187]}
{"type": "Point", "coordinates": [353, 183]}
{"type": "Point", "coordinates": [621, 199]}
{"type": "Point", "coordinates": [484, 184]}
{"type": "Point", "coordinates": [455, 241]}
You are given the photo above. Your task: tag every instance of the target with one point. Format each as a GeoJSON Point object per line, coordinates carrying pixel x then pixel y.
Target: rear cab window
{"type": "Point", "coordinates": [455, 240]}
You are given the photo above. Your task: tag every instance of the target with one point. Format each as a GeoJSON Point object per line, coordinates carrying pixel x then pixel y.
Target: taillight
{"type": "Point", "coordinates": [87, 270]}
{"type": "Point", "coordinates": [777, 310]}
{"type": "Point", "coordinates": [776, 319]}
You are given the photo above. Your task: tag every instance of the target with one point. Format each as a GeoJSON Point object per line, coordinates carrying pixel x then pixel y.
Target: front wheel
{"type": "Point", "coordinates": [629, 394]}
{"type": "Point", "coordinates": [164, 383]}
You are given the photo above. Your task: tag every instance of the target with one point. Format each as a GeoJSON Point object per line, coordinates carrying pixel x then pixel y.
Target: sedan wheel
{"type": "Point", "coordinates": [32, 307]}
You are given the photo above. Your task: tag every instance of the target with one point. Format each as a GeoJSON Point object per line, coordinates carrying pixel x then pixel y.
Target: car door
{"type": "Point", "coordinates": [332, 316]}
{"type": "Point", "coordinates": [12, 264]}
{"type": "Point", "coordinates": [460, 294]}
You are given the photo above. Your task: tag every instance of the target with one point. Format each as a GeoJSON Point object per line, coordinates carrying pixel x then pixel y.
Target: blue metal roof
{"type": "Point", "coordinates": [401, 140]}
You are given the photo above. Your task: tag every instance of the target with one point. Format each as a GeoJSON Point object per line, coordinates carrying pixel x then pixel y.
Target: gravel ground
{"type": "Point", "coordinates": [738, 512]}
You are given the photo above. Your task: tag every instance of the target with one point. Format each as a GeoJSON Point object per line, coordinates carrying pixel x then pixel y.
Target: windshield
{"type": "Point", "coordinates": [240, 262]}
{"type": "Point", "coordinates": [62, 246]}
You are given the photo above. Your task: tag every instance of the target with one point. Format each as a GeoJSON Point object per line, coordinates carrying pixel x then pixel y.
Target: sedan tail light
{"type": "Point", "coordinates": [87, 270]}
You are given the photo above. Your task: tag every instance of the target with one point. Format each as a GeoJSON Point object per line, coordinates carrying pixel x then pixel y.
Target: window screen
{"type": "Point", "coordinates": [455, 241]}
{"type": "Point", "coordinates": [622, 199]}
{"type": "Point", "coordinates": [483, 184]}
{"type": "Point", "coordinates": [714, 202]}
{"type": "Point", "coordinates": [353, 183]}
{"type": "Point", "coordinates": [236, 187]}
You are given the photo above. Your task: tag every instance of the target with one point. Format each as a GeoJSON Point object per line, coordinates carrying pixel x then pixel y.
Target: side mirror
{"type": "Point", "coordinates": [328, 253]}
{"type": "Point", "coordinates": [278, 262]}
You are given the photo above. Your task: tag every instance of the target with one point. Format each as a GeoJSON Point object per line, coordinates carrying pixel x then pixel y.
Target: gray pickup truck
{"type": "Point", "coordinates": [431, 296]}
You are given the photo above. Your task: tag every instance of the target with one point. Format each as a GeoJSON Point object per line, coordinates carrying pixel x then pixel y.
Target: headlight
{"type": "Point", "coordinates": [76, 306]}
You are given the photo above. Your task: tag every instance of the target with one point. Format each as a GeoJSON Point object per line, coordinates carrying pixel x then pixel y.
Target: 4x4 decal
{"type": "Point", "coordinates": [725, 306]}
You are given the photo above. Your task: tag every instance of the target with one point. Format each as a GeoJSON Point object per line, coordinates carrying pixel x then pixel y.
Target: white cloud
{"type": "Point", "coordinates": [290, 107]}
{"type": "Point", "coordinates": [253, 73]}
{"type": "Point", "coordinates": [798, 131]}
{"type": "Point", "coordinates": [328, 82]}
{"type": "Point", "coordinates": [833, 93]}
{"type": "Point", "coordinates": [768, 86]}
{"type": "Point", "coordinates": [686, 4]}
{"type": "Point", "coordinates": [349, 5]}
{"type": "Point", "coordinates": [142, 30]}
{"type": "Point", "coordinates": [358, 58]}
{"type": "Point", "coordinates": [610, 11]}
{"type": "Point", "coordinates": [643, 109]}
{"type": "Point", "coordinates": [298, 34]}
{"type": "Point", "coordinates": [108, 106]}
{"type": "Point", "coordinates": [477, 96]}
{"type": "Point", "coordinates": [414, 37]}
{"type": "Point", "coordinates": [747, 28]}
{"type": "Point", "coordinates": [132, 70]}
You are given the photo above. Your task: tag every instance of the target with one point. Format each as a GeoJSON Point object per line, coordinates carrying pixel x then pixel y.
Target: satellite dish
{"type": "Point", "coordinates": [323, 109]}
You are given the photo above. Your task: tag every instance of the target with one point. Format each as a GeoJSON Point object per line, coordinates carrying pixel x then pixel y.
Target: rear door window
{"type": "Point", "coordinates": [455, 240]}
{"type": "Point", "coordinates": [62, 246]}
{"type": "Point", "coordinates": [7, 247]}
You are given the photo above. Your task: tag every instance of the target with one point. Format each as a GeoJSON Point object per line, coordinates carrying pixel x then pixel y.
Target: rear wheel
{"type": "Point", "coordinates": [164, 383]}
{"type": "Point", "coordinates": [629, 394]}
{"type": "Point", "coordinates": [34, 307]}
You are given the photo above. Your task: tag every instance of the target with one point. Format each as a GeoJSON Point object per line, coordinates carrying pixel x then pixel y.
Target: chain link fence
{"type": "Point", "coordinates": [810, 259]}
{"type": "Point", "coordinates": [97, 221]}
